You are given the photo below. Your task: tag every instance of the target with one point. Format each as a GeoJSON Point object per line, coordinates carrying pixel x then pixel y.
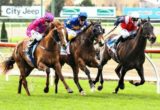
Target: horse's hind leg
{"type": "Point", "coordinates": [24, 72]}
{"type": "Point", "coordinates": [20, 80]}
{"type": "Point", "coordinates": [57, 68]}
{"type": "Point", "coordinates": [141, 74]}
{"type": "Point", "coordinates": [20, 85]}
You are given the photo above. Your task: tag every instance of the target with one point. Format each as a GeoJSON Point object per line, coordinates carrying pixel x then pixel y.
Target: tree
{"type": "Point", "coordinates": [86, 3]}
{"type": "Point", "coordinates": [58, 7]}
{"type": "Point", "coordinates": [4, 37]}
{"type": "Point", "coordinates": [22, 2]}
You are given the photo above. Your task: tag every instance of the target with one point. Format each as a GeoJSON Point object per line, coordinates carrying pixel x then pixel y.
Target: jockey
{"type": "Point", "coordinates": [37, 28]}
{"type": "Point", "coordinates": [76, 24]}
{"type": "Point", "coordinates": [129, 25]}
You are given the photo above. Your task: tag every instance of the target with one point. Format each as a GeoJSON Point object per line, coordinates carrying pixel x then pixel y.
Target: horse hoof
{"type": "Point", "coordinates": [93, 89]}
{"type": "Point", "coordinates": [114, 92]}
{"type": "Point", "coordinates": [83, 93]}
{"type": "Point", "coordinates": [122, 86]}
{"type": "Point", "coordinates": [100, 88]}
{"type": "Point", "coordinates": [46, 90]}
{"type": "Point", "coordinates": [69, 90]}
{"type": "Point", "coordinates": [94, 82]}
{"type": "Point", "coordinates": [132, 82]}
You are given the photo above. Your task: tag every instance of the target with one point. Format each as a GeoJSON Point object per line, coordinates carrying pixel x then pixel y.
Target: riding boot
{"type": "Point", "coordinates": [113, 49]}
{"type": "Point", "coordinates": [118, 40]}
{"type": "Point", "coordinates": [31, 45]}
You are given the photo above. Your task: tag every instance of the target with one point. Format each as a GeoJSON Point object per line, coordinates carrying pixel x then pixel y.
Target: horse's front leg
{"type": "Point", "coordinates": [118, 70]}
{"type": "Point", "coordinates": [141, 75]}
{"type": "Point", "coordinates": [83, 67]}
{"type": "Point", "coordinates": [75, 69]}
{"type": "Point", "coordinates": [99, 76]}
{"type": "Point", "coordinates": [121, 80]}
{"type": "Point", "coordinates": [56, 80]}
{"type": "Point", "coordinates": [42, 66]}
{"type": "Point", "coordinates": [57, 68]}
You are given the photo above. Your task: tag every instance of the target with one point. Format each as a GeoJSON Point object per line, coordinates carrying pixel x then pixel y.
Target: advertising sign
{"type": "Point", "coordinates": [153, 13]}
{"type": "Point", "coordinates": [21, 11]}
{"type": "Point", "coordinates": [91, 11]}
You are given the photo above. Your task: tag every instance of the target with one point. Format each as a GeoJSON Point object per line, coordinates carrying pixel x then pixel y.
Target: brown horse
{"type": "Point", "coordinates": [130, 55]}
{"type": "Point", "coordinates": [46, 56]}
{"type": "Point", "coordinates": [82, 53]}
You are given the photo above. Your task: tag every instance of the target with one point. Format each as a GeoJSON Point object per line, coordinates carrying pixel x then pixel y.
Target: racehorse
{"type": "Point", "coordinates": [46, 56]}
{"type": "Point", "coordinates": [82, 53]}
{"type": "Point", "coordinates": [130, 55]}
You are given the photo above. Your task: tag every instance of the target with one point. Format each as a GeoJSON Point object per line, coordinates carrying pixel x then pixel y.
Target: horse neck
{"type": "Point", "coordinates": [48, 41]}
{"type": "Point", "coordinates": [88, 37]}
{"type": "Point", "coordinates": [139, 41]}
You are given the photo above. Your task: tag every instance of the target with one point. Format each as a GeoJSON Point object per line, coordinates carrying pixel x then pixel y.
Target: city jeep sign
{"type": "Point", "coordinates": [21, 11]}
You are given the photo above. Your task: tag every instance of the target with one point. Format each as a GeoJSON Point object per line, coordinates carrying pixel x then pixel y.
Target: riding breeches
{"type": "Point", "coordinates": [71, 34]}
{"type": "Point", "coordinates": [36, 35]}
{"type": "Point", "coordinates": [124, 33]}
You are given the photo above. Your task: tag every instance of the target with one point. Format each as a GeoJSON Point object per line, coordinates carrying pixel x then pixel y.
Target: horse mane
{"type": "Point", "coordinates": [79, 34]}
{"type": "Point", "coordinates": [52, 25]}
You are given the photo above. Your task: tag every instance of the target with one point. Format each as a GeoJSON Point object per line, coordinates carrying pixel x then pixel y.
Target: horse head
{"type": "Point", "coordinates": [147, 30]}
{"type": "Point", "coordinates": [59, 31]}
{"type": "Point", "coordinates": [97, 32]}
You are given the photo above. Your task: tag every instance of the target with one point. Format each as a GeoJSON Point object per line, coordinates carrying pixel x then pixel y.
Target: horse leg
{"type": "Point", "coordinates": [117, 70]}
{"type": "Point", "coordinates": [99, 74]}
{"type": "Point", "coordinates": [20, 80]}
{"type": "Point", "coordinates": [76, 79]}
{"type": "Point", "coordinates": [85, 69]}
{"type": "Point", "coordinates": [56, 80]}
{"type": "Point", "coordinates": [46, 89]}
{"type": "Point", "coordinates": [121, 81]}
{"type": "Point", "coordinates": [57, 68]}
{"type": "Point", "coordinates": [20, 85]}
{"type": "Point", "coordinates": [141, 74]}
{"type": "Point", "coordinates": [24, 72]}
{"type": "Point", "coordinates": [42, 66]}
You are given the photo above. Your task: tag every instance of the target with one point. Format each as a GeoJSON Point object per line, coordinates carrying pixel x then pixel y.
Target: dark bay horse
{"type": "Point", "coordinates": [47, 55]}
{"type": "Point", "coordinates": [130, 54]}
{"type": "Point", "coordinates": [83, 53]}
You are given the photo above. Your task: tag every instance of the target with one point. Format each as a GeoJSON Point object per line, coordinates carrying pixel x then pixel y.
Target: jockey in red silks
{"type": "Point", "coordinates": [129, 25]}
{"type": "Point", "coordinates": [37, 28]}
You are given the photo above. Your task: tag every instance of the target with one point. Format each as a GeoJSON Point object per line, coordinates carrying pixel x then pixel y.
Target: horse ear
{"type": "Point", "coordinates": [52, 25]}
{"type": "Point", "coordinates": [91, 21]}
{"type": "Point", "coordinates": [103, 31]}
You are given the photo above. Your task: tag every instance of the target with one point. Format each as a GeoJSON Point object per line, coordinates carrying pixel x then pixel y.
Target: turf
{"type": "Point", "coordinates": [132, 98]}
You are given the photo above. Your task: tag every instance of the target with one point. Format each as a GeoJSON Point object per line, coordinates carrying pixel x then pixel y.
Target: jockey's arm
{"type": "Point", "coordinates": [119, 20]}
{"type": "Point", "coordinates": [76, 27]}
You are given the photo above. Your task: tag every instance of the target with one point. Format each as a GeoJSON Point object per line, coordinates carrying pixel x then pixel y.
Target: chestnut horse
{"type": "Point", "coordinates": [83, 53]}
{"type": "Point", "coordinates": [46, 56]}
{"type": "Point", "coordinates": [130, 55]}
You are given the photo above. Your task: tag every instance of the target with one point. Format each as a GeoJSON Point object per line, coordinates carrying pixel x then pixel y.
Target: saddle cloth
{"type": "Point", "coordinates": [31, 59]}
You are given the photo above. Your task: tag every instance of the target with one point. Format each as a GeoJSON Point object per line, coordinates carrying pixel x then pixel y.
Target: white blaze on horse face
{"type": "Point", "coordinates": [64, 35]}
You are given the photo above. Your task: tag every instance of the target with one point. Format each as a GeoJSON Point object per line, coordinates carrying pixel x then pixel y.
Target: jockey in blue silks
{"type": "Point", "coordinates": [76, 24]}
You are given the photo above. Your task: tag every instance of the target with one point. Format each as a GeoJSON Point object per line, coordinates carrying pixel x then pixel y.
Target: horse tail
{"type": "Point", "coordinates": [8, 64]}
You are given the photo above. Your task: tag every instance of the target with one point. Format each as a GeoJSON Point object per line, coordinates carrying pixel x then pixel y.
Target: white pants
{"type": "Point", "coordinates": [71, 33]}
{"type": "Point", "coordinates": [36, 35]}
{"type": "Point", "coordinates": [124, 33]}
